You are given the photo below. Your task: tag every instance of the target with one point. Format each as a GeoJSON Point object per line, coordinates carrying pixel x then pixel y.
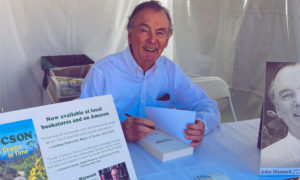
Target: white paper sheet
{"type": "Point", "coordinates": [173, 121]}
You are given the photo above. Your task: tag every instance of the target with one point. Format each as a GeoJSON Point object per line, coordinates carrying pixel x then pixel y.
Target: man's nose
{"type": "Point", "coordinates": [151, 37]}
{"type": "Point", "coordinates": [297, 100]}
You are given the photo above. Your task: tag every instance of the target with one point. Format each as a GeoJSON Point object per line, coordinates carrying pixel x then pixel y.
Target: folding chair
{"type": "Point", "coordinates": [217, 89]}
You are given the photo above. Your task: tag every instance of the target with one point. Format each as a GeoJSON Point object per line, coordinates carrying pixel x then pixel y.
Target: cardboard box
{"type": "Point", "coordinates": [49, 62]}
{"type": "Point", "coordinates": [65, 82]}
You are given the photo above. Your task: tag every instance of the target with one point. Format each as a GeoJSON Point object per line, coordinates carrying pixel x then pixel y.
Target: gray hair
{"type": "Point", "coordinates": [271, 92]}
{"type": "Point", "coordinates": [154, 5]}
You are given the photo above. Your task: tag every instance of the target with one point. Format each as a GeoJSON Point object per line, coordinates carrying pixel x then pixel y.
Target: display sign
{"type": "Point", "coordinates": [80, 139]}
{"type": "Point", "coordinates": [280, 134]}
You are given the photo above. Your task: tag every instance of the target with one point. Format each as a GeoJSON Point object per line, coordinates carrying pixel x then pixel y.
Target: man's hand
{"type": "Point", "coordinates": [134, 129]}
{"type": "Point", "coordinates": [195, 132]}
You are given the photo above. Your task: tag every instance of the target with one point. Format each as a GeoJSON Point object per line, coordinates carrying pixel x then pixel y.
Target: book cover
{"type": "Point", "coordinates": [20, 155]}
{"type": "Point", "coordinates": [280, 135]}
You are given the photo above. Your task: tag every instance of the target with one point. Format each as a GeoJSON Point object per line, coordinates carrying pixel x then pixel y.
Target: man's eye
{"type": "Point", "coordinates": [143, 30]}
{"type": "Point", "coordinates": [287, 96]}
{"type": "Point", "coordinates": [160, 33]}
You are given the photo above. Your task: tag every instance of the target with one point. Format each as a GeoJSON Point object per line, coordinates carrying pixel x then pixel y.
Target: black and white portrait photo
{"type": "Point", "coordinates": [281, 117]}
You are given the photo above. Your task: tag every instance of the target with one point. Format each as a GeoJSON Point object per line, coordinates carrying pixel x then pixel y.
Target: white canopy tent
{"type": "Point", "coordinates": [231, 39]}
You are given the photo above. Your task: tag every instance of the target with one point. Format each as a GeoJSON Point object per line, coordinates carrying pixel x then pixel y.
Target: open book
{"type": "Point", "coordinates": [167, 142]}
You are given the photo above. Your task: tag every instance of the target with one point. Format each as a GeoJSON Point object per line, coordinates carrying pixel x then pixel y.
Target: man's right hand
{"type": "Point", "coordinates": [134, 129]}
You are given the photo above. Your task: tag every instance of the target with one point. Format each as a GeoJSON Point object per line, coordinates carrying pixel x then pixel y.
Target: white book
{"type": "Point", "coordinates": [164, 146]}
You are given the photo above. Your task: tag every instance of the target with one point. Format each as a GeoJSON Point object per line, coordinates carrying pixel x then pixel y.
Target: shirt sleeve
{"type": "Point", "coordinates": [94, 84]}
{"type": "Point", "coordinates": [191, 97]}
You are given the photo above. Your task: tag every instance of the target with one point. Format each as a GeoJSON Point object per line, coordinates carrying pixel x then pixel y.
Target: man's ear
{"type": "Point", "coordinates": [272, 114]}
{"type": "Point", "coordinates": [277, 112]}
{"type": "Point", "coordinates": [129, 35]}
{"type": "Point", "coordinates": [168, 38]}
{"type": "Point", "coordinates": [170, 34]}
{"type": "Point", "coordinates": [129, 38]}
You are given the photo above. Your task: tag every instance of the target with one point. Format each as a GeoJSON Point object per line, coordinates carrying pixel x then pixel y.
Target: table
{"type": "Point", "coordinates": [230, 149]}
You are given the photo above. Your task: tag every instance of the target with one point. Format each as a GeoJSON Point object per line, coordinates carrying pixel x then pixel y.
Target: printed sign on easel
{"type": "Point", "coordinates": [79, 139]}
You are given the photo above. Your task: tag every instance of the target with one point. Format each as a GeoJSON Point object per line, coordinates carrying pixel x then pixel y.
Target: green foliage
{"type": "Point", "coordinates": [32, 166]}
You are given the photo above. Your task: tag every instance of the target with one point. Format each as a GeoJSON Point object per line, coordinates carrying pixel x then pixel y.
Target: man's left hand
{"type": "Point", "coordinates": [195, 132]}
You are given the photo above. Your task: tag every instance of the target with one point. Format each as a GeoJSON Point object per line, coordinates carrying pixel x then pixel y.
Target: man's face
{"type": "Point", "coordinates": [287, 97]}
{"type": "Point", "coordinates": [115, 174]}
{"type": "Point", "coordinates": [148, 37]}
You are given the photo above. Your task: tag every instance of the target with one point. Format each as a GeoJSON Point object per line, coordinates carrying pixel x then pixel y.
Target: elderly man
{"type": "Point", "coordinates": [284, 92]}
{"type": "Point", "coordinates": [139, 77]}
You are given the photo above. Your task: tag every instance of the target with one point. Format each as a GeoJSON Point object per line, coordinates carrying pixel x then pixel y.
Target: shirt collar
{"type": "Point", "coordinates": [293, 145]}
{"type": "Point", "coordinates": [134, 68]}
{"type": "Point", "coordinates": [292, 138]}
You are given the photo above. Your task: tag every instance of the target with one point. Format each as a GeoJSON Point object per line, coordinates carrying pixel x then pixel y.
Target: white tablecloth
{"type": "Point", "coordinates": [229, 150]}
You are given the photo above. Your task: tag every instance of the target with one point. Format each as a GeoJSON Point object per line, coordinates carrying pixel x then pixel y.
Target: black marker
{"type": "Point", "coordinates": [151, 127]}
